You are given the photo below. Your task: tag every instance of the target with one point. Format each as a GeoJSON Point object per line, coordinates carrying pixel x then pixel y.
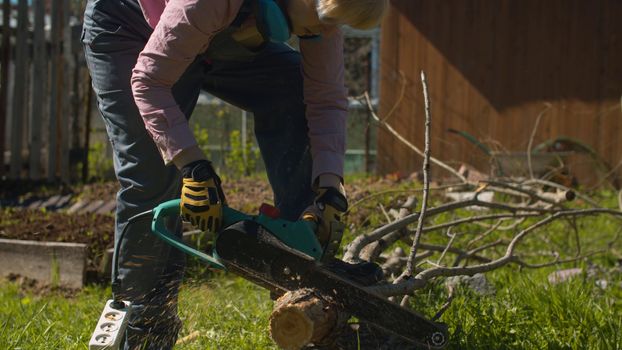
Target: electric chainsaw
{"type": "Point", "coordinates": [282, 256]}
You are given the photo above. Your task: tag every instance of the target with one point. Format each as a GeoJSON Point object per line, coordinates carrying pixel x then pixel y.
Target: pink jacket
{"type": "Point", "coordinates": [183, 29]}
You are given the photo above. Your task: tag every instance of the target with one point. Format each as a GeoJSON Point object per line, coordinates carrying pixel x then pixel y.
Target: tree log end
{"type": "Point", "coordinates": [290, 328]}
{"type": "Point", "coordinates": [301, 317]}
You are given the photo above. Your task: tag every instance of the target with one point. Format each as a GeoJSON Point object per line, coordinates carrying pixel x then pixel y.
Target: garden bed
{"type": "Point", "coordinates": [93, 230]}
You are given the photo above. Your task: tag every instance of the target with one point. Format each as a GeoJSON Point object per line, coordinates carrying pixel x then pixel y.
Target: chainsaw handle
{"type": "Point", "coordinates": [304, 239]}
{"type": "Point", "coordinates": [171, 209]}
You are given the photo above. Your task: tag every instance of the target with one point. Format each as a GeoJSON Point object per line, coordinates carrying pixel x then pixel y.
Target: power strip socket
{"type": "Point", "coordinates": [111, 326]}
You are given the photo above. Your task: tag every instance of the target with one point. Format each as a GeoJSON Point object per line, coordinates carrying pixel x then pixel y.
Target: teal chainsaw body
{"type": "Point", "coordinates": [299, 235]}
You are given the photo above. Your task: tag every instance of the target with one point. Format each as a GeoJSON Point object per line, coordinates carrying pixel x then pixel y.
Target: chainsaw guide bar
{"type": "Point", "coordinates": [252, 252]}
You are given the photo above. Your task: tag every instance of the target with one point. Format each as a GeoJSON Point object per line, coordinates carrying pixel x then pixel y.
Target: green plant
{"type": "Point", "coordinates": [241, 160]}
{"type": "Point", "coordinates": [100, 164]}
{"type": "Point", "coordinates": [200, 134]}
{"type": "Point", "coordinates": [55, 271]}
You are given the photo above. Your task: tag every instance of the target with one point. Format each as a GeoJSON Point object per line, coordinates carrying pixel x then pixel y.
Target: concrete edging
{"type": "Point", "coordinates": [47, 262]}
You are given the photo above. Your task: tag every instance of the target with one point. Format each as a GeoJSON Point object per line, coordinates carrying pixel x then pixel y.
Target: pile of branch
{"type": "Point", "coordinates": [512, 209]}
{"type": "Point", "coordinates": [417, 270]}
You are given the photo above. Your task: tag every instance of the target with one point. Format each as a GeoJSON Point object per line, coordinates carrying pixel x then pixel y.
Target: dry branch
{"type": "Point", "coordinates": [354, 248]}
{"type": "Point", "coordinates": [554, 199]}
{"type": "Point", "coordinates": [409, 285]}
{"type": "Point", "coordinates": [373, 250]}
{"type": "Point", "coordinates": [382, 193]}
{"type": "Point", "coordinates": [561, 187]}
{"type": "Point", "coordinates": [533, 136]}
{"type": "Point", "coordinates": [484, 234]}
{"type": "Point", "coordinates": [426, 180]}
{"type": "Point", "coordinates": [402, 139]}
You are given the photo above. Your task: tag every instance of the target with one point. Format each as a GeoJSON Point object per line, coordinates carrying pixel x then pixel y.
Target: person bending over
{"type": "Point", "coordinates": [149, 60]}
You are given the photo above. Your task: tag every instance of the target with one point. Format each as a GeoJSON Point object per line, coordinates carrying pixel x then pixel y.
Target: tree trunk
{"type": "Point", "coordinates": [302, 317]}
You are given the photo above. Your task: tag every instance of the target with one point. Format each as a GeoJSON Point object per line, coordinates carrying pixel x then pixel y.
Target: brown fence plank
{"type": "Point", "coordinates": [40, 76]}
{"type": "Point", "coordinates": [55, 83]}
{"type": "Point", "coordinates": [68, 65]}
{"type": "Point", "coordinates": [4, 78]}
{"type": "Point", "coordinates": [39, 89]}
{"type": "Point", "coordinates": [20, 90]}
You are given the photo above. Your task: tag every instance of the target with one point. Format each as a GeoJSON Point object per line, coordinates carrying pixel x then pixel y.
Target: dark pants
{"type": "Point", "coordinates": [268, 84]}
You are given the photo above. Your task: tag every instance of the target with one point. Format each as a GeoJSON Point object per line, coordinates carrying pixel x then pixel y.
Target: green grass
{"type": "Point", "coordinates": [52, 322]}
{"type": "Point", "coordinates": [230, 313]}
{"type": "Point", "coordinates": [529, 313]}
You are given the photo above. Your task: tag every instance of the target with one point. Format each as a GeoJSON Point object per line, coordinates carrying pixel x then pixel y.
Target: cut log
{"type": "Point", "coordinates": [302, 317]}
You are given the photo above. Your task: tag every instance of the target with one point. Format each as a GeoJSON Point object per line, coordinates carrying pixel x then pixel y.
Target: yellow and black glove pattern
{"type": "Point", "coordinates": [202, 197]}
{"type": "Point", "coordinates": [328, 206]}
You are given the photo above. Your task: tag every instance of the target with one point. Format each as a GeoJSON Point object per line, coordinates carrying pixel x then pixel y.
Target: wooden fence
{"type": "Point", "coordinates": [45, 94]}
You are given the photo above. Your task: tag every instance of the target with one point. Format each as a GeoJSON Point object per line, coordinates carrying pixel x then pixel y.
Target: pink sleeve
{"type": "Point", "coordinates": [326, 98]}
{"type": "Point", "coordinates": [184, 31]}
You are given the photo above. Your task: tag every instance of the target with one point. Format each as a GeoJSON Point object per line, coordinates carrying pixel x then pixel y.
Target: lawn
{"type": "Point", "coordinates": [230, 313]}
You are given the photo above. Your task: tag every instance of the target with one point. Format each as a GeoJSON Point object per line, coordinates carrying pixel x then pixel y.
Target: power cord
{"type": "Point", "coordinates": [117, 302]}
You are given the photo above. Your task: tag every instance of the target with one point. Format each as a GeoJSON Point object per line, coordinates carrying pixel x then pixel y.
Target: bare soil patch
{"type": "Point", "coordinates": [36, 225]}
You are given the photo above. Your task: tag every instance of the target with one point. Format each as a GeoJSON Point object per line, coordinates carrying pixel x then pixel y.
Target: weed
{"type": "Point", "coordinates": [100, 164]}
{"type": "Point", "coordinates": [55, 271]}
{"type": "Point", "coordinates": [241, 160]}
{"type": "Point", "coordinates": [200, 134]}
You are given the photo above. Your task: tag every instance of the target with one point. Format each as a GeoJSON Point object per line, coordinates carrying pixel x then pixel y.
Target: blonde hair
{"type": "Point", "coordinates": [358, 14]}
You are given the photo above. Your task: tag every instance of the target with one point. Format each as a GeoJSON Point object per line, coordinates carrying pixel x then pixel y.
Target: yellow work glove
{"type": "Point", "coordinates": [328, 206]}
{"type": "Point", "coordinates": [202, 197]}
